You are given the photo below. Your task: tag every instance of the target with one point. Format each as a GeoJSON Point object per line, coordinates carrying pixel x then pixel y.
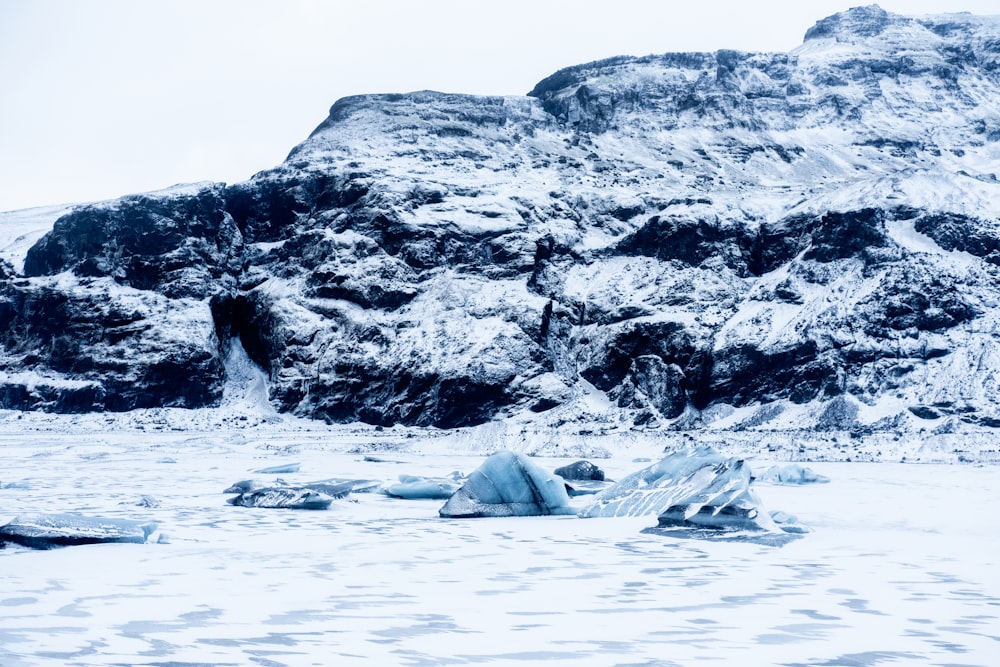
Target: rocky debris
{"type": "Point", "coordinates": [580, 470]}
{"type": "Point", "coordinates": [508, 484]}
{"type": "Point", "coordinates": [726, 503]}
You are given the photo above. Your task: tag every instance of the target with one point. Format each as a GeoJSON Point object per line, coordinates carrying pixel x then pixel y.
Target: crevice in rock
{"type": "Point", "coordinates": [238, 317]}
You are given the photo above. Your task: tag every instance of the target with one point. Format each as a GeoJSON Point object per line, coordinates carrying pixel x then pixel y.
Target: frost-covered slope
{"type": "Point", "coordinates": [745, 241]}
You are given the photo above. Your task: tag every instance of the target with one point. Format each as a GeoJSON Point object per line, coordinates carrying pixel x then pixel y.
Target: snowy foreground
{"type": "Point", "coordinates": [902, 565]}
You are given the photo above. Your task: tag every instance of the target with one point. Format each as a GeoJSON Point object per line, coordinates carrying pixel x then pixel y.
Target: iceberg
{"type": "Point", "coordinates": [694, 486]}
{"type": "Point", "coordinates": [656, 487]}
{"type": "Point", "coordinates": [508, 484]}
{"type": "Point", "coordinates": [411, 487]}
{"type": "Point", "coordinates": [335, 488]}
{"type": "Point", "coordinates": [791, 474]}
{"type": "Point", "coordinates": [726, 502]}
{"type": "Point", "coordinates": [46, 531]}
{"type": "Point", "coordinates": [284, 497]}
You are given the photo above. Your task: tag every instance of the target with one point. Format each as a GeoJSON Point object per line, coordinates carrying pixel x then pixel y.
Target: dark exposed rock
{"type": "Point", "coordinates": [684, 233]}
{"type": "Point", "coordinates": [842, 235]}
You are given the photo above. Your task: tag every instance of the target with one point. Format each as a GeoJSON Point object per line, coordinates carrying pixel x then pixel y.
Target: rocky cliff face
{"type": "Point", "coordinates": [729, 239]}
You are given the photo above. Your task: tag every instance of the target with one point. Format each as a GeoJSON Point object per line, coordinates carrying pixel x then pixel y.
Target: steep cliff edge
{"type": "Point", "coordinates": [730, 239]}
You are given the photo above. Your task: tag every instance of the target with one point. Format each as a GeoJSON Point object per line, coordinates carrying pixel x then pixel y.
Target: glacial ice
{"type": "Point", "coordinates": [789, 522]}
{"type": "Point", "coordinates": [46, 531]}
{"type": "Point", "coordinates": [695, 487]}
{"type": "Point", "coordinates": [656, 487]}
{"type": "Point", "coordinates": [284, 497]}
{"type": "Point", "coordinates": [508, 484]}
{"type": "Point", "coordinates": [335, 488]}
{"type": "Point", "coordinates": [585, 487]}
{"type": "Point", "coordinates": [412, 487]}
{"type": "Point", "coordinates": [280, 469]}
{"type": "Point", "coordinates": [791, 473]}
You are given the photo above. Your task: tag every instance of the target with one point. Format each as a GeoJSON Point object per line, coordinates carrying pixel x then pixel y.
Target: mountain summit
{"type": "Point", "coordinates": [736, 240]}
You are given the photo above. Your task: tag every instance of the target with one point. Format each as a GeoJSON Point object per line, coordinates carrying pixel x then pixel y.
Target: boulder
{"type": "Point", "coordinates": [581, 470]}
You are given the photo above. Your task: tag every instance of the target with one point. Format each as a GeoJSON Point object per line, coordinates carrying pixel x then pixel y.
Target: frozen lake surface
{"type": "Point", "coordinates": [902, 567]}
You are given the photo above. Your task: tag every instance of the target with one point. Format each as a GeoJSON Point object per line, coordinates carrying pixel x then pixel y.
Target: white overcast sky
{"type": "Point", "coordinates": [100, 98]}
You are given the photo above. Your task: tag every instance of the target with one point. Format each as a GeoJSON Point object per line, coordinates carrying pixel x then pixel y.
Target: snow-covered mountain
{"type": "Point", "coordinates": [734, 240]}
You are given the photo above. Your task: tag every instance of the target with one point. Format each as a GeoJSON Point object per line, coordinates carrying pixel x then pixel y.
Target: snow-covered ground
{"type": "Point", "coordinates": [901, 567]}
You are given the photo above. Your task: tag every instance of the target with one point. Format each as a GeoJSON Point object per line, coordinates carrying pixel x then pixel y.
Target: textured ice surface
{"type": "Point", "coordinates": [692, 487]}
{"type": "Point", "coordinates": [791, 473]}
{"type": "Point", "coordinates": [508, 484]}
{"type": "Point", "coordinates": [726, 502]}
{"type": "Point", "coordinates": [45, 531]}
{"type": "Point", "coordinates": [386, 582]}
{"type": "Point", "coordinates": [661, 485]}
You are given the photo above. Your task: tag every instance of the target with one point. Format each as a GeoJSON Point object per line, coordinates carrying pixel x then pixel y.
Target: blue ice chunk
{"type": "Point", "coordinates": [284, 497]}
{"type": "Point", "coordinates": [412, 487]}
{"type": "Point", "coordinates": [585, 487]}
{"type": "Point", "coordinates": [508, 484]}
{"type": "Point", "coordinates": [791, 474]}
{"type": "Point", "coordinates": [789, 522]}
{"type": "Point", "coordinates": [726, 502]}
{"type": "Point", "coordinates": [657, 487]}
{"type": "Point", "coordinates": [278, 470]}
{"type": "Point", "coordinates": [46, 531]}
{"type": "Point", "coordinates": [694, 486]}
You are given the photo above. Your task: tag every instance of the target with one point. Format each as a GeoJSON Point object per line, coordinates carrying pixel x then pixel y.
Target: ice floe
{"type": "Point", "coordinates": [46, 531]}
{"type": "Point", "coordinates": [791, 473]}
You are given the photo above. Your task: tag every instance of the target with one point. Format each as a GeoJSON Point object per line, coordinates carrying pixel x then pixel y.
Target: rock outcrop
{"type": "Point", "coordinates": [746, 240]}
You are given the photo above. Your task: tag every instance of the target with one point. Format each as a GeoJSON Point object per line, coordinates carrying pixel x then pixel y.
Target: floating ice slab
{"type": "Point", "coordinates": [284, 497]}
{"type": "Point", "coordinates": [508, 484]}
{"type": "Point", "coordinates": [791, 473]}
{"type": "Point", "coordinates": [281, 469]}
{"type": "Point", "coordinates": [411, 487]}
{"type": "Point", "coordinates": [586, 487]}
{"type": "Point", "coordinates": [330, 486]}
{"type": "Point", "coordinates": [45, 531]}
